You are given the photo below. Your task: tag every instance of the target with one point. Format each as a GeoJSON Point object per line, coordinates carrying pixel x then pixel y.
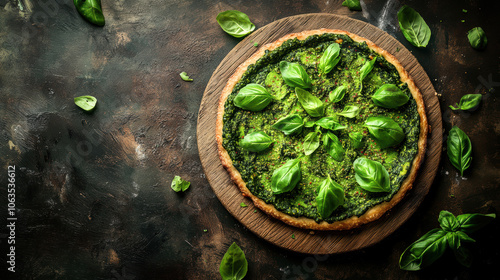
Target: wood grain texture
{"type": "Point", "coordinates": [275, 231]}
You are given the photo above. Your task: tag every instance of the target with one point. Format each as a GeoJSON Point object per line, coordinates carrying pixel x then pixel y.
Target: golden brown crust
{"type": "Point", "coordinates": [373, 213]}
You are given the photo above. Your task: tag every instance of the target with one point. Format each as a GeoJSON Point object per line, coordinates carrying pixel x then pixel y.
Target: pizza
{"type": "Point", "coordinates": [322, 129]}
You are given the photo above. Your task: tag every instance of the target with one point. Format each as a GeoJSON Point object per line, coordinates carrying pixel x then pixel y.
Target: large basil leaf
{"type": "Point", "coordinates": [413, 26]}
{"type": "Point", "coordinates": [350, 111]}
{"type": "Point", "coordinates": [295, 75]}
{"type": "Point", "coordinates": [477, 38]}
{"type": "Point", "coordinates": [448, 221]}
{"type": "Point", "coordinates": [390, 96]}
{"type": "Point", "coordinates": [424, 251]}
{"type": "Point", "coordinates": [290, 124]}
{"type": "Point", "coordinates": [333, 146]}
{"type": "Point", "coordinates": [356, 139]}
{"type": "Point", "coordinates": [311, 142]}
{"type": "Point", "coordinates": [234, 265]}
{"type": "Point", "coordinates": [329, 59]}
{"type": "Point", "coordinates": [330, 196]}
{"type": "Point", "coordinates": [90, 10]}
{"type": "Point", "coordinates": [371, 175]}
{"type": "Point", "coordinates": [86, 102]}
{"type": "Point", "coordinates": [469, 223]}
{"type": "Point", "coordinates": [352, 5]}
{"type": "Point", "coordinates": [313, 105]}
{"type": "Point", "coordinates": [253, 97]}
{"type": "Point", "coordinates": [338, 94]}
{"type": "Point", "coordinates": [256, 141]}
{"type": "Point", "coordinates": [367, 68]}
{"type": "Point", "coordinates": [459, 149]}
{"type": "Point", "coordinates": [286, 177]}
{"type": "Point", "coordinates": [385, 130]}
{"type": "Point", "coordinates": [330, 123]}
{"type": "Point", "coordinates": [235, 23]}
{"type": "Point", "coordinates": [468, 101]}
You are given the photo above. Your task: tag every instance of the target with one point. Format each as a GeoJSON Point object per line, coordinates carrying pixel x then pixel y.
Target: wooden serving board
{"type": "Point", "coordinates": [275, 231]}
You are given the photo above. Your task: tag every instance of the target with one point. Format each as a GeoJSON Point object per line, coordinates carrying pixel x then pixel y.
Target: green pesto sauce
{"type": "Point", "coordinates": [257, 168]}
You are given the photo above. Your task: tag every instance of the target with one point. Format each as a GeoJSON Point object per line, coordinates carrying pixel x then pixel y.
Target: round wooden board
{"type": "Point", "coordinates": [275, 231]}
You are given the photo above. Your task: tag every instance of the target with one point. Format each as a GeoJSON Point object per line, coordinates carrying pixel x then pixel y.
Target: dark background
{"type": "Point", "coordinates": [93, 195]}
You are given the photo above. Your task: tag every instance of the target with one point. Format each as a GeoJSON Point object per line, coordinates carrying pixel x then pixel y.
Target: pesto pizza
{"type": "Point", "coordinates": [322, 129]}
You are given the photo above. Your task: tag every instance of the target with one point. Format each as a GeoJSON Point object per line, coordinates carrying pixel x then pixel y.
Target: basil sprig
{"type": "Point", "coordinates": [413, 26]}
{"type": "Point", "coordinates": [295, 75]}
{"type": "Point", "coordinates": [86, 102]}
{"type": "Point", "coordinates": [313, 105]}
{"type": "Point", "coordinates": [390, 96]}
{"type": "Point", "coordinates": [468, 102]}
{"type": "Point", "coordinates": [235, 23]}
{"type": "Point", "coordinates": [290, 124]}
{"type": "Point", "coordinates": [253, 97]}
{"type": "Point", "coordinates": [459, 149]}
{"type": "Point", "coordinates": [286, 177]}
{"type": "Point", "coordinates": [329, 59]}
{"type": "Point", "coordinates": [371, 175]}
{"type": "Point", "coordinates": [356, 139]}
{"type": "Point", "coordinates": [311, 142]}
{"type": "Point", "coordinates": [338, 94]}
{"type": "Point", "coordinates": [91, 11]}
{"type": "Point", "coordinates": [350, 111]}
{"type": "Point", "coordinates": [330, 123]}
{"type": "Point", "coordinates": [385, 131]}
{"type": "Point", "coordinates": [330, 197]}
{"type": "Point", "coordinates": [333, 146]}
{"type": "Point", "coordinates": [477, 38]}
{"type": "Point", "coordinates": [256, 141]}
{"type": "Point", "coordinates": [234, 265]}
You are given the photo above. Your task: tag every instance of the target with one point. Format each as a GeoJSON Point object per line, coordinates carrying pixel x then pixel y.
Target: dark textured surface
{"type": "Point", "coordinates": [93, 193]}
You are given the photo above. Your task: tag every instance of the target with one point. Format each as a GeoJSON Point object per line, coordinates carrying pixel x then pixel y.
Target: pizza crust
{"type": "Point", "coordinates": [373, 213]}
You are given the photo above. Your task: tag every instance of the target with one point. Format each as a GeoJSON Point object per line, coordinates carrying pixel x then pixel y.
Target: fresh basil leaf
{"type": "Point", "coordinates": [235, 23]}
{"type": "Point", "coordinates": [448, 221]}
{"type": "Point", "coordinates": [385, 130]}
{"type": "Point", "coordinates": [91, 11]}
{"type": "Point", "coordinates": [311, 142]}
{"type": "Point", "coordinates": [290, 124]}
{"type": "Point", "coordinates": [253, 97]}
{"type": "Point", "coordinates": [309, 123]}
{"type": "Point", "coordinates": [178, 184]}
{"type": "Point", "coordinates": [367, 68]}
{"type": "Point", "coordinates": [413, 26]}
{"type": "Point", "coordinates": [453, 240]}
{"type": "Point", "coordinates": [371, 175]}
{"type": "Point", "coordinates": [356, 139]}
{"type": "Point", "coordinates": [295, 75]}
{"type": "Point", "coordinates": [256, 141]}
{"type": "Point", "coordinates": [352, 5]}
{"type": "Point", "coordinates": [333, 146]}
{"type": "Point", "coordinates": [286, 177]}
{"type": "Point", "coordinates": [477, 38]}
{"type": "Point", "coordinates": [463, 236]}
{"type": "Point", "coordinates": [86, 102]}
{"type": "Point", "coordinates": [234, 265]}
{"type": "Point", "coordinates": [313, 105]}
{"type": "Point", "coordinates": [390, 96]}
{"type": "Point", "coordinates": [463, 256]}
{"type": "Point", "coordinates": [338, 94]}
{"type": "Point", "coordinates": [424, 251]}
{"type": "Point", "coordinates": [243, 205]}
{"type": "Point", "coordinates": [330, 123]}
{"type": "Point", "coordinates": [330, 197]}
{"type": "Point", "coordinates": [470, 223]}
{"type": "Point", "coordinates": [329, 59]}
{"type": "Point", "coordinates": [185, 77]}
{"type": "Point", "coordinates": [459, 149]}
{"type": "Point", "coordinates": [468, 102]}
{"type": "Point", "coordinates": [350, 111]}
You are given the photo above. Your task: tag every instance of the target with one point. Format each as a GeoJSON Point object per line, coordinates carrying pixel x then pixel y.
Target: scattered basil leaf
{"type": "Point", "coordinates": [390, 96]}
{"type": "Point", "coordinates": [350, 111]}
{"type": "Point", "coordinates": [330, 197]}
{"type": "Point", "coordinates": [469, 223]}
{"type": "Point", "coordinates": [448, 221]}
{"type": "Point", "coordinates": [333, 146]}
{"type": "Point", "coordinates": [313, 105]}
{"type": "Point", "coordinates": [243, 204]}
{"type": "Point", "coordinates": [295, 75]}
{"type": "Point", "coordinates": [329, 59]}
{"type": "Point", "coordinates": [356, 139]}
{"type": "Point", "coordinates": [330, 123]}
{"type": "Point", "coordinates": [290, 124]}
{"type": "Point", "coordinates": [371, 175]}
{"type": "Point", "coordinates": [178, 184]}
{"type": "Point", "coordinates": [367, 68]}
{"type": "Point", "coordinates": [234, 265]}
{"type": "Point", "coordinates": [385, 131]}
{"type": "Point", "coordinates": [256, 141]}
{"type": "Point", "coordinates": [459, 149]}
{"type": "Point", "coordinates": [293, 236]}
{"type": "Point", "coordinates": [311, 142]}
{"type": "Point", "coordinates": [413, 26]}
{"type": "Point", "coordinates": [235, 23]}
{"type": "Point", "coordinates": [253, 97]}
{"type": "Point", "coordinates": [424, 251]}
{"type": "Point", "coordinates": [338, 94]}
{"type": "Point", "coordinates": [477, 38]}
{"type": "Point", "coordinates": [286, 177]}
{"type": "Point", "coordinates": [91, 11]}
{"type": "Point", "coordinates": [185, 77]}
{"type": "Point", "coordinates": [352, 5]}
{"type": "Point", "coordinates": [86, 102]}
{"type": "Point", "coordinates": [468, 102]}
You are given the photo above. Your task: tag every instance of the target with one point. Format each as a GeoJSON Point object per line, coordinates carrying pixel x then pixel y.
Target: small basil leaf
{"type": "Point", "coordinates": [178, 184]}
{"type": "Point", "coordinates": [333, 146]}
{"type": "Point", "coordinates": [367, 68]}
{"type": "Point", "coordinates": [468, 102]}
{"type": "Point", "coordinates": [295, 75]}
{"type": "Point", "coordinates": [390, 96]}
{"type": "Point", "coordinates": [253, 97]}
{"type": "Point", "coordinates": [235, 23]}
{"type": "Point", "coordinates": [329, 59]}
{"type": "Point", "coordinates": [352, 5]}
{"type": "Point", "coordinates": [448, 221]}
{"type": "Point", "coordinates": [453, 240]}
{"type": "Point", "coordinates": [86, 102]}
{"type": "Point", "coordinates": [256, 141]}
{"type": "Point", "coordinates": [309, 123]}
{"type": "Point", "coordinates": [371, 175]}
{"type": "Point", "coordinates": [330, 123]}
{"type": "Point", "coordinates": [234, 265]}
{"type": "Point", "coordinates": [91, 11]}
{"type": "Point", "coordinates": [459, 149]}
{"type": "Point", "coordinates": [413, 26]}
{"type": "Point", "coordinates": [286, 177]}
{"type": "Point", "coordinates": [330, 197]}
{"type": "Point", "coordinates": [463, 256]}
{"type": "Point", "coordinates": [313, 105]}
{"type": "Point", "coordinates": [311, 143]}
{"type": "Point", "coordinates": [185, 77]}
{"type": "Point", "coordinates": [463, 236]}
{"type": "Point", "coordinates": [477, 38]}
{"type": "Point", "coordinates": [350, 111]}
{"type": "Point", "coordinates": [356, 139]}
{"type": "Point", "coordinates": [385, 130]}
{"type": "Point", "coordinates": [338, 94]}
{"type": "Point", "coordinates": [424, 251]}
{"type": "Point", "coordinates": [469, 223]}
{"type": "Point", "coordinates": [290, 124]}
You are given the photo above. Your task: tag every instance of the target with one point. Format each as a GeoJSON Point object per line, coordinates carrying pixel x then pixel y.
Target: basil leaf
{"type": "Point", "coordinates": [366, 69]}
{"type": "Point", "coordinates": [330, 123]}
{"type": "Point", "coordinates": [390, 96]}
{"type": "Point", "coordinates": [371, 175]}
{"type": "Point", "coordinates": [356, 139]}
{"type": "Point", "coordinates": [469, 223]}
{"type": "Point", "coordinates": [286, 177]}
{"type": "Point", "coordinates": [468, 101]}
{"type": "Point", "coordinates": [178, 184]}
{"type": "Point", "coordinates": [295, 75]}
{"type": "Point", "coordinates": [235, 23]}
{"type": "Point", "coordinates": [86, 102]}
{"type": "Point", "coordinates": [234, 265]}
{"type": "Point", "coordinates": [477, 38]}
{"type": "Point", "coordinates": [413, 26]}
{"type": "Point", "coordinates": [333, 146]}
{"type": "Point", "coordinates": [352, 5]}
{"type": "Point", "coordinates": [313, 105]}
{"type": "Point", "coordinates": [330, 197]}
{"type": "Point", "coordinates": [448, 221]}
{"type": "Point", "coordinates": [338, 94]}
{"type": "Point", "coordinates": [311, 142]}
{"type": "Point", "coordinates": [329, 59]}
{"type": "Point", "coordinates": [290, 124]}
{"type": "Point", "coordinates": [185, 77]}
{"type": "Point", "coordinates": [350, 111]}
{"type": "Point", "coordinates": [424, 251]}
{"type": "Point", "coordinates": [463, 236]}
{"type": "Point", "coordinates": [453, 240]}
{"type": "Point", "coordinates": [256, 141]}
{"type": "Point", "coordinates": [309, 123]}
{"type": "Point", "coordinates": [459, 149]}
{"type": "Point", "coordinates": [463, 256]}
{"type": "Point", "coordinates": [385, 130]}
{"type": "Point", "coordinates": [253, 97]}
{"type": "Point", "coordinates": [91, 11]}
